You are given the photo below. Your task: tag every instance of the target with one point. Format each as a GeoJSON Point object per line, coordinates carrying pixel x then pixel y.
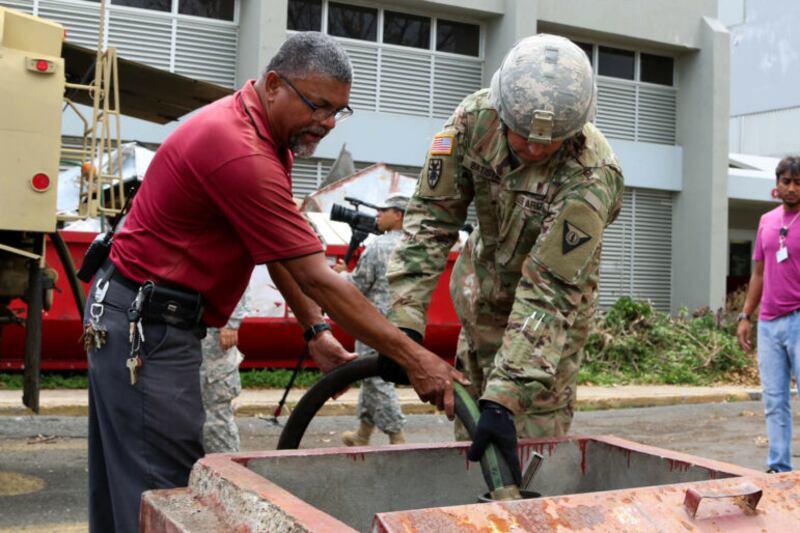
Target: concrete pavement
{"type": "Point", "coordinates": [262, 402]}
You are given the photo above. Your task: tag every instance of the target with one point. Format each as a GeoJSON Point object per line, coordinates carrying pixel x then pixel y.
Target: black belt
{"type": "Point", "coordinates": [117, 276]}
{"type": "Point", "coordinates": [174, 306]}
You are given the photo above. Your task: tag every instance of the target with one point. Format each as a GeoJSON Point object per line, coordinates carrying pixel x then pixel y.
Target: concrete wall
{"type": "Point", "coordinates": [700, 218]}
{"type": "Point", "coordinates": [765, 57]}
{"type": "Point", "coordinates": [502, 32]}
{"type": "Point", "coordinates": [470, 8]}
{"type": "Point", "coordinates": [262, 30]}
{"type": "Point", "coordinates": [673, 24]}
{"type": "Point", "coordinates": [765, 71]}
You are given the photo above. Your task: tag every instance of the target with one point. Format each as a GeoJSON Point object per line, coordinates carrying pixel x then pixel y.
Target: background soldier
{"type": "Point", "coordinates": [220, 382]}
{"type": "Point", "coordinates": [378, 404]}
{"type": "Point", "coordinates": [545, 183]}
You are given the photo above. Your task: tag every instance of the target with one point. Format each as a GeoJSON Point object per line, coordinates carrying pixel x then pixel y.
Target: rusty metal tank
{"type": "Point", "coordinates": [597, 483]}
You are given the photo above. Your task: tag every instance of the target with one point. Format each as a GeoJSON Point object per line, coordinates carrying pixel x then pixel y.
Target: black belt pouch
{"type": "Point", "coordinates": [177, 308]}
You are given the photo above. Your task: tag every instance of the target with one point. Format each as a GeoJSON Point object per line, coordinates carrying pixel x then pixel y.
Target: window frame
{"type": "Point", "coordinates": [378, 20]}
{"type": "Point", "coordinates": [637, 64]}
{"type": "Point", "coordinates": [173, 12]}
{"type": "Point", "coordinates": [596, 69]}
{"type": "Point", "coordinates": [650, 83]}
{"type": "Point", "coordinates": [322, 17]}
{"type": "Point", "coordinates": [382, 18]}
{"type": "Point", "coordinates": [432, 15]}
{"type": "Point", "coordinates": [435, 30]}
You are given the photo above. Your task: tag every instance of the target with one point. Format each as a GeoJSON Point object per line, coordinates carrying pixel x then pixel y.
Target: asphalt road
{"type": "Point", "coordinates": [43, 476]}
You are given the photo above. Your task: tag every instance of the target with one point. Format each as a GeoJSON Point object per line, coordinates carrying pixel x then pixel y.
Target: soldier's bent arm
{"type": "Point", "coordinates": [558, 285]}
{"type": "Point", "coordinates": [435, 214]}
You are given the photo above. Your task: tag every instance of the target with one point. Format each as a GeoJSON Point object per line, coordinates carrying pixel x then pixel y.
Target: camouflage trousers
{"type": "Point", "coordinates": [378, 403]}
{"type": "Point", "coordinates": [552, 411]}
{"type": "Point", "coordinates": [220, 384]}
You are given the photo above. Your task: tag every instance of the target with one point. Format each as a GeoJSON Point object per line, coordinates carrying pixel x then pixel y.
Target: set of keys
{"type": "Point", "coordinates": [95, 333]}
{"type": "Point", "coordinates": [135, 336]}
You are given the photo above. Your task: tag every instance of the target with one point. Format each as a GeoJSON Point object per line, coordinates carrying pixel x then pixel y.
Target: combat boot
{"type": "Point", "coordinates": [360, 437]}
{"type": "Point", "coordinates": [397, 438]}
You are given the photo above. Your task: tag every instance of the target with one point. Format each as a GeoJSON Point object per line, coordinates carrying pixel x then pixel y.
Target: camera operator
{"type": "Point", "coordinates": [378, 404]}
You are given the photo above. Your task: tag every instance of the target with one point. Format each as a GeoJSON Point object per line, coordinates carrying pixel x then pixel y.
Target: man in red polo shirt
{"type": "Point", "coordinates": [216, 201]}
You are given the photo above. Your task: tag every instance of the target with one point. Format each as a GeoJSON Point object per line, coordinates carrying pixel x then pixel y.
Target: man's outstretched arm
{"type": "Point", "coordinates": [325, 349]}
{"type": "Point", "coordinates": [431, 377]}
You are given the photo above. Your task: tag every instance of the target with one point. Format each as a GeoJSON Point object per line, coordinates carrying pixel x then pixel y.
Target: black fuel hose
{"type": "Point", "coordinates": [495, 470]}
{"type": "Point", "coordinates": [69, 269]}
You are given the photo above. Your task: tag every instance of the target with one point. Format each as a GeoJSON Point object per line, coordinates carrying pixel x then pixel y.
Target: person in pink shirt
{"type": "Point", "coordinates": [775, 283]}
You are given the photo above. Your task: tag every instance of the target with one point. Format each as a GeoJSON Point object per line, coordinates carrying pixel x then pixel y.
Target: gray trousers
{"type": "Point", "coordinates": [144, 436]}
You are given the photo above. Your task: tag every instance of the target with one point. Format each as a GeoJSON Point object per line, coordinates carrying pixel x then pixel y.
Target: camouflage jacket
{"type": "Point", "coordinates": [531, 265]}
{"type": "Point", "coordinates": [241, 310]}
{"type": "Point", "coordinates": [370, 273]}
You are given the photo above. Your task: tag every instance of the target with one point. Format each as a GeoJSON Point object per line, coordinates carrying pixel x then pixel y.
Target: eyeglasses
{"type": "Point", "coordinates": [320, 113]}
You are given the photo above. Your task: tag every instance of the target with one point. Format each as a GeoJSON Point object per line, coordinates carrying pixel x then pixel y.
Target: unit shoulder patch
{"type": "Point", "coordinates": [570, 243]}
{"type": "Point", "coordinates": [573, 237]}
{"type": "Point", "coordinates": [435, 165]}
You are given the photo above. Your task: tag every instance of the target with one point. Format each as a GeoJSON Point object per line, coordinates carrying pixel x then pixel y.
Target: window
{"type": "Point", "coordinates": [354, 22]}
{"type": "Point", "coordinates": [587, 48]}
{"type": "Point", "coordinates": [212, 9]}
{"type": "Point", "coordinates": [155, 5]}
{"type": "Point", "coordinates": [406, 30]}
{"type": "Point", "coordinates": [739, 259]}
{"type": "Point", "coordinates": [305, 15]}
{"type": "Point", "coordinates": [656, 69]}
{"type": "Point", "coordinates": [616, 63]}
{"type": "Point", "coordinates": [458, 37]}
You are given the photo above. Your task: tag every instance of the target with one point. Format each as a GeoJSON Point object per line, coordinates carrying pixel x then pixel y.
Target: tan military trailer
{"type": "Point", "coordinates": [41, 77]}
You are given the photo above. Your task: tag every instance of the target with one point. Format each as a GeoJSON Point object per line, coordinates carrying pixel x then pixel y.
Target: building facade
{"type": "Point", "coordinates": [661, 70]}
{"type": "Point", "coordinates": [765, 71]}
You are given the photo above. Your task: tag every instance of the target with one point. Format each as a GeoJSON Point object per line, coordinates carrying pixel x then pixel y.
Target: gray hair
{"type": "Point", "coordinates": [312, 52]}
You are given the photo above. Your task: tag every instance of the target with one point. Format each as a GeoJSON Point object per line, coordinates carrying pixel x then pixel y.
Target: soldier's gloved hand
{"type": "Point", "coordinates": [389, 370]}
{"type": "Point", "coordinates": [496, 425]}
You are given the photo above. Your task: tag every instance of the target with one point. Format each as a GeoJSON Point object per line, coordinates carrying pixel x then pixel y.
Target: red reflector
{"type": "Point", "coordinates": [42, 65]}
{"type": "Point", "coordinates": [40, 182]}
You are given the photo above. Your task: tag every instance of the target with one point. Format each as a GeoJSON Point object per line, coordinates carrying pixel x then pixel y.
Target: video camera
{"type": "Point", "coordinates": [361, 224]}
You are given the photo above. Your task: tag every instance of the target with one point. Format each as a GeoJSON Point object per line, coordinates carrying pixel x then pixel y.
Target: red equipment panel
{"type": "Point", "coordinates": [266, 342]}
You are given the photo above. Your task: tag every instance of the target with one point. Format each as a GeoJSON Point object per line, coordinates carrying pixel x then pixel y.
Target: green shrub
{"type": "Point", "coordinates": [634, 343]}
{"type": "Point", "coordinates": [278, 378]}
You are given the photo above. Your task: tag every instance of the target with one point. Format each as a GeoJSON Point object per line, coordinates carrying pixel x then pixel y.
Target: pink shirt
{"type": "Point", "coordinates": [215, 201]}
{"type": "Point", "coordinates": [781, 292]}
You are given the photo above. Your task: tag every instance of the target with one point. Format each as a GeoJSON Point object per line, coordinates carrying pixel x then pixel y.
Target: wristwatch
{"type": "Point", "coordinates": [315, 330]}
{"type": "Point", "coordinates": [743, 316]}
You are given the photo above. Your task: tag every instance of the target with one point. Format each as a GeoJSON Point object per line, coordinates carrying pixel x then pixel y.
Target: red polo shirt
{"type": "Point", "coordinates": [215, 201]}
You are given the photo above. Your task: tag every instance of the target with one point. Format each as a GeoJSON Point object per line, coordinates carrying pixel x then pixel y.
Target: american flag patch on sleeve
{"type": "Point", "coordinates": [442, 144]}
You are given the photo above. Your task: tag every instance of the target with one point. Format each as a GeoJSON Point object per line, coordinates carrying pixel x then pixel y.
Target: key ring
{"type": "Point", "coordinates": [96, 311]}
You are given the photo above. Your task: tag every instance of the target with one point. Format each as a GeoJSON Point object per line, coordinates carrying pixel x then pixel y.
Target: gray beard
{"type": "Point", "coordinates": [302, 150]}
{"type": "Point", "coordinates": [305, 149]}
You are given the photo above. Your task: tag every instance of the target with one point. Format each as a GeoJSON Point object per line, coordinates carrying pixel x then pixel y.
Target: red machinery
{"type": "Point", "coordinates": [266, 342]}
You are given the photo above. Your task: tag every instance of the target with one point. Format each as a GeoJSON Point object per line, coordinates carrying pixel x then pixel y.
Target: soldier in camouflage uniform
{"type": "Point", "coordinates": [220, 382]}
{"type": "Point", "coordinates": [545, 184]}
{"type": "Point", "coordinates": [378, 404]}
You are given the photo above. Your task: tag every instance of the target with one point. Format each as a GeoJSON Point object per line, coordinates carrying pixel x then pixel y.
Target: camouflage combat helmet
{"type": "Point", "coordinates": [544, 89]}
